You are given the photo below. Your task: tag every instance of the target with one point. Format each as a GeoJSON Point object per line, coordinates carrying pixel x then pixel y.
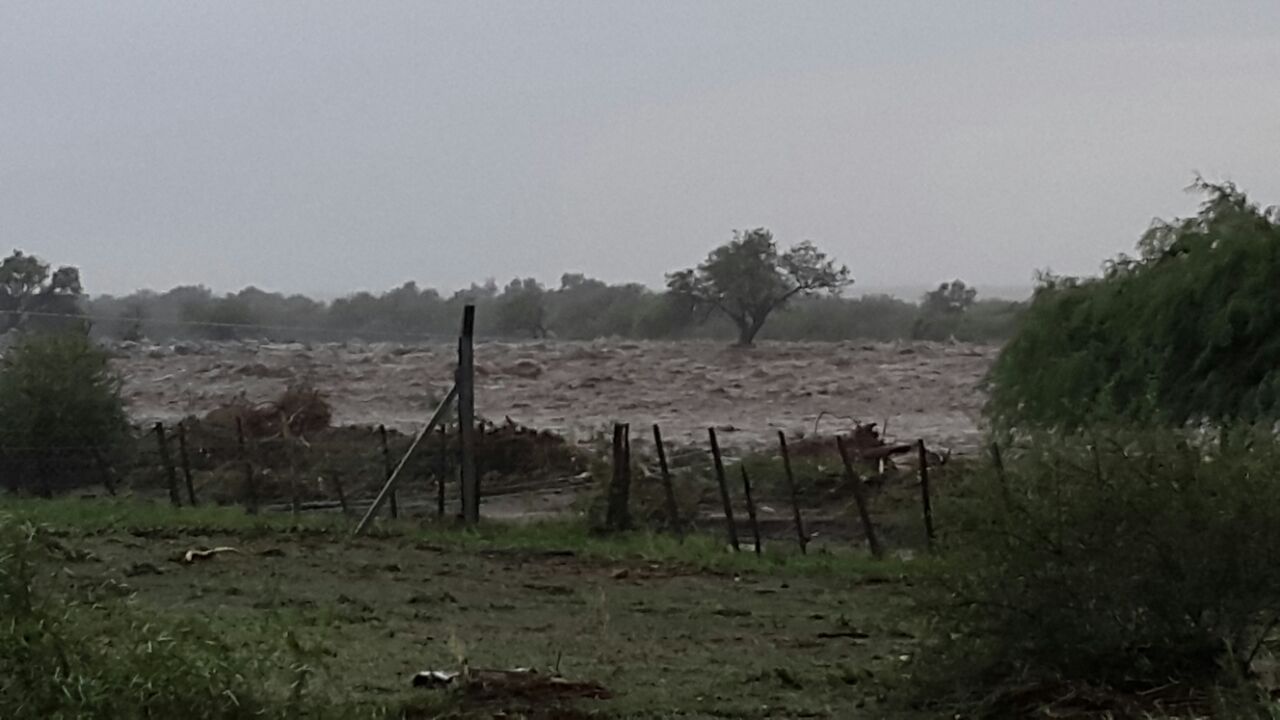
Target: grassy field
{"type": "Point", "coordinates": [667, 629]}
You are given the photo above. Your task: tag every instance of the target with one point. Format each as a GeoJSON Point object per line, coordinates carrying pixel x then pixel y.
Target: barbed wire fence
{"type": "Point", "coordinates": [265, 464]}
{"type": "Point", "coordinates": [235, 454]}
{"type": "Point", "coordinates": [262, 330]}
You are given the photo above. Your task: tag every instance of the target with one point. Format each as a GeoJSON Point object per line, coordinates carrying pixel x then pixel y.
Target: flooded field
{"type": "Point", "coordinates": [928, 390]}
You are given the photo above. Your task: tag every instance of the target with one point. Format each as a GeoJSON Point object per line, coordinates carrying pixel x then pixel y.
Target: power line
{"type": "Point", "coordinates": [228, 325]}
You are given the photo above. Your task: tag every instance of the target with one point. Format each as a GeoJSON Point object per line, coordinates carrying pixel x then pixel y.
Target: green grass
{"type": "Point", "coordinates": [673, 630]}
{"type": "Point", "coordinates": [705, 552]}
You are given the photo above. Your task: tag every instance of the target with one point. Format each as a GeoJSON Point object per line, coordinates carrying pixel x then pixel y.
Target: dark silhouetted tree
{"type": "Point", "coordinates": [747, 279]}
{"type": "Point", "coordinates": [943, 310]}
{"type": "Point", "coordinates": [29, 293]}
{"type": "Point", "coordinates": [950, 298]}
{"type": "Point", "coordinates": [522, 308]}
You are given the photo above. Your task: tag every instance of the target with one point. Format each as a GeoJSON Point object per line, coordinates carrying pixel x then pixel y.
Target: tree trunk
{"type": "Point", "coordinates": [747, 331]}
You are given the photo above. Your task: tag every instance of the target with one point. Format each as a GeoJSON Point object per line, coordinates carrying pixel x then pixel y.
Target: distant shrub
{"type": "Point", "coordinates": [222, 319]}
{"type": "Point", "coordinates": [990, 321]}
{"type": "Point", "coordinates": [1132, 560]}
{"type": "Point", "coordinates": [62, 421]}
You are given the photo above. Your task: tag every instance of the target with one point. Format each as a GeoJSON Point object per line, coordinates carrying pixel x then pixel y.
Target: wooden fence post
{"type": "Point", "coordinates": [287, 450]}
{"type": "Point", "coordinates": [171, 475]}
{"type": "Point", "coordinates": [724, 490]}
{"type": "Point", "coordinates": [342, 495]}
{"type": "Point", "coordinates": [386, 469]}
{"type": "Point", "coordinates": [924, 494]}
{"type": "Point", "coordinates": [250, 483]}
{"type": "Point", "coordinates": [108, 480]}
{"type": "Point", "coordinates": [617, 513]}
{"type": "Point", "coordinates": [673, 511]}
{"type": "Point", "coordinates": [751, 511]}
{"type": "Point", "coordinates": [442, 471]}
{"type": "Point", "coordinates": [185, 459]}
{"type": "Point", "coordinates": [998, 461]}
{"type": "Point", "coordinates": [859, 497]}
{"type": "Point", "coordinates": [467, 416]}
{"type": "Point", "coordinates": [795, 495]}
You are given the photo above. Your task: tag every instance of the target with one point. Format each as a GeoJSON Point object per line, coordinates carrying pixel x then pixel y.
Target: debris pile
{"type": "Point", "coordinates": [512, 451]}
{"type": "Point", "coordinates": [864, 441]}
{"type": "Point", "coordinates": [299, 412]}
{"type": "Point", "coordinates": [519, 692]}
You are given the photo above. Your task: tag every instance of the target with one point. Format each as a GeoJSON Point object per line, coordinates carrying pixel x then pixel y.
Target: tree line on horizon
{"type": "Point", "coordinates": [746, 289]}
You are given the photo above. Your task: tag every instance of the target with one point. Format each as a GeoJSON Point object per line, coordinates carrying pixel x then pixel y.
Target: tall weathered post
{"type": "Point", "coordinates": [467, 416]}
{"type": "Point", "coordinates": [925, 500]}
{"type": "Point", "coordinates": [751, 510]}
{"type": "Point", "coordinates": [186, 464]}
{"type": "Point", "coordinates": [388, 468]}
{"type": "Point", "coordinates": [617, 512]}
{"type": "Point", "coordinates": [171, 475]}
{"type": "Point", "coordinates": [250, 482]}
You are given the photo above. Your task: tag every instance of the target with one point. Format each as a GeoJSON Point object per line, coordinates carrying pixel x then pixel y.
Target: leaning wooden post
{"type": "Point", "coordinates": [751, 511]}
{"type": "Point", "coordinates": [467, 416]}
{"type": "Point", "coordinates": [390, 485]}
{"type": "Point", "coordinates": [171, 475]}
{"type": "Point", "coordinates": [924, 494]}
{"type": "Point", "coordinates": [250, 483]}
{"type": "Point", "coordinates": [795, 495]}
{"type": "Point", "coordinates": [186, 464]}
{"type": "Point", "coordinates": [724, 490]}
{"type": "Point", "coordinates": [386, 469]}
{"type": "Point", "coordinates": [673, 511]}
{"type": "Point", "coordinates": [859, 497]}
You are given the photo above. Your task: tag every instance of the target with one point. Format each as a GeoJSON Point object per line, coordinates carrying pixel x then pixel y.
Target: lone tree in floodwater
{"type": "Point", "coordinates": [747, 279]}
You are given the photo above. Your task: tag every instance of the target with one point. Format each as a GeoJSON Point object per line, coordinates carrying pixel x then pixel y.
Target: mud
{"type": "Point", "coordinates": [912, 390]}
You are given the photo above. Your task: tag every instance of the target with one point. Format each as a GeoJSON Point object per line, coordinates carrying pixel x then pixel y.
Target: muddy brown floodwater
{"type": "Point", "coordinates": [922, 390]}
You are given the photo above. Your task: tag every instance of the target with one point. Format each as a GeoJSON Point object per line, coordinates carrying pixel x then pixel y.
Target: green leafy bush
{"type": "Point", "coordinates": [1128, 560]}
{"type": "Point", "coordinates": [1187, 332]}
{"type": "Point", "coordinates": [95, 658]}
{"type": "Point", "coordinates": [62, 421]}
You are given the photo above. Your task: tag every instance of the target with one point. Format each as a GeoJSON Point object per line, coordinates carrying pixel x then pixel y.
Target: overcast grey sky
{"type": "Point", "coordinates": [329, 147]}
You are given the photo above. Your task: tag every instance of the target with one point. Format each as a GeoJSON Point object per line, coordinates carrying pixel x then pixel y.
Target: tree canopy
{"type": "Point", "coordinates": [950, 298]}
{"type": "Point", "coordinates": [747, 279]}
{"type": "Point", "coordinates": [28, 289]}
{"type": "Point", "coordinates": [1187, 332]}
{"type": "Point", "coordinates": [522, 308]}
